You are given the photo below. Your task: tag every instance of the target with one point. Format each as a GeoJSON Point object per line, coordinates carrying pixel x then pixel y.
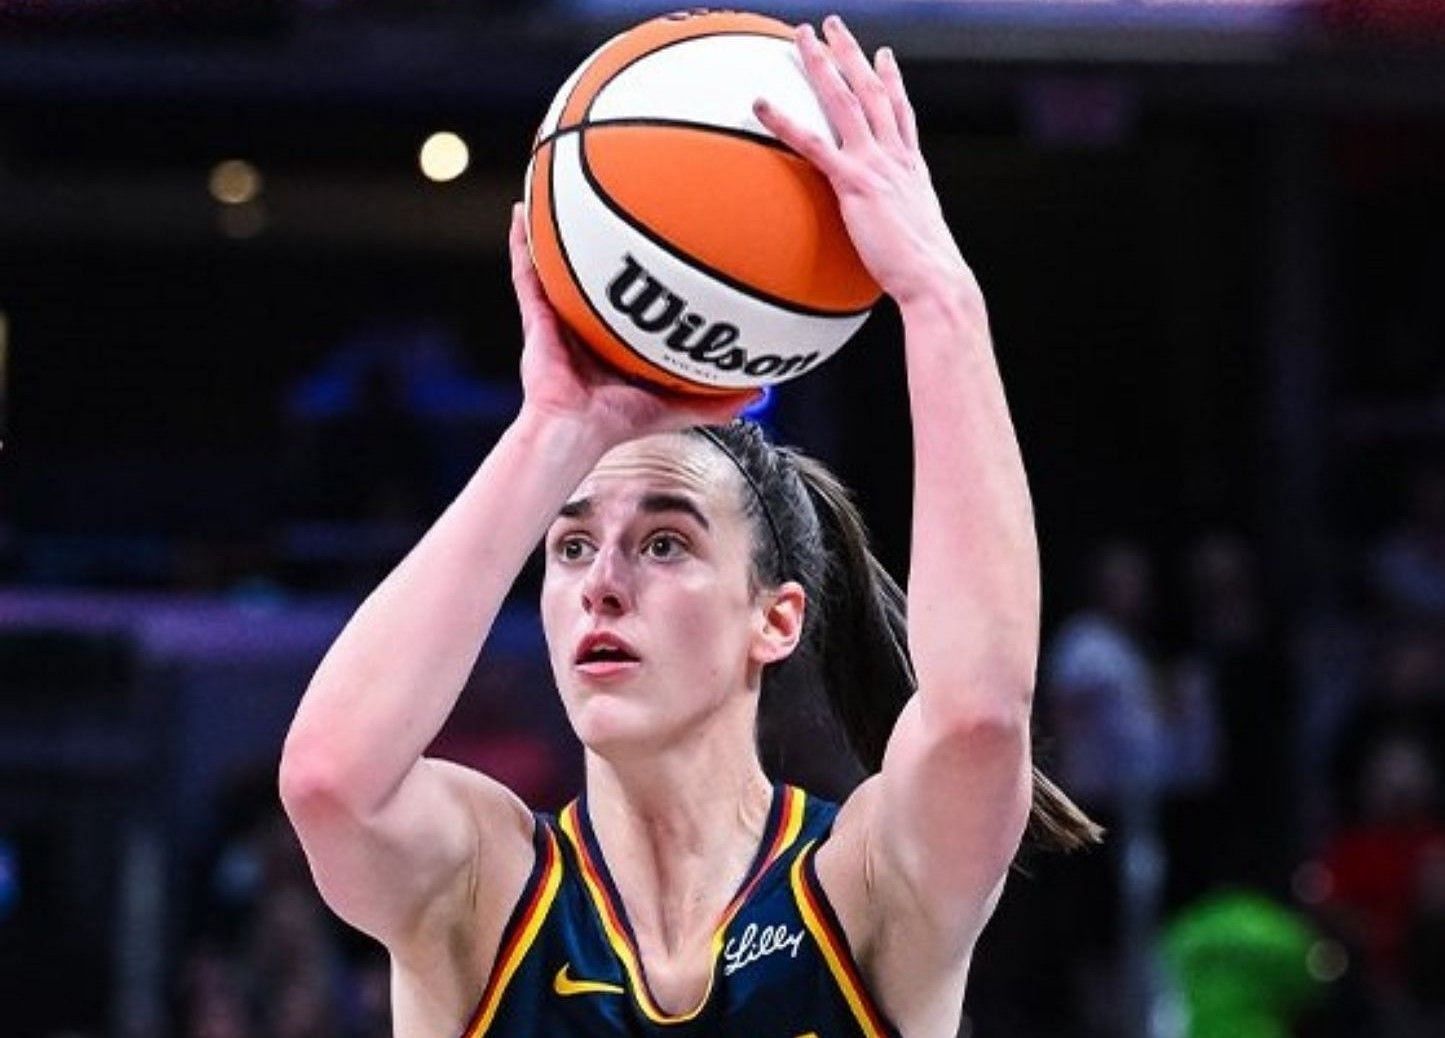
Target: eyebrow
{"type": "Point", "coordinates": [656, 503]}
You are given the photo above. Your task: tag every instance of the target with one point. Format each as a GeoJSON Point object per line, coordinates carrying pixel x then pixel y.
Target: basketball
{"type": "Point", "coordinates": [675, 235]}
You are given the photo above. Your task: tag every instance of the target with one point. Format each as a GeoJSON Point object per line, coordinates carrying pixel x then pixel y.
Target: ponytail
{"type": "Point", "coordinates": [855, 634]}
{"type": "Point", "coordinates": [863, 631]}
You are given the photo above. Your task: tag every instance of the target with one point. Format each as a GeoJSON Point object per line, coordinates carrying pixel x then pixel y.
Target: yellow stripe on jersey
{"type": "Point", "coordinates": [510, 957]}
{"type": "Point", "coordinates": [834, 949]}
{"type": "Point", "coordinates": [794, 805]}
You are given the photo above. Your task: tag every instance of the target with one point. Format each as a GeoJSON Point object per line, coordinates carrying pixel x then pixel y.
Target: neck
{"type": "Point", "coordinates": [679, 830]}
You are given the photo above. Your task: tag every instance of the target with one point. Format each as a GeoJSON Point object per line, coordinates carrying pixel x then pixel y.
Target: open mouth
{"type": "Point", "coordinates": [606, 655]}
{"type": "Point", "coordinates": [601, 654]}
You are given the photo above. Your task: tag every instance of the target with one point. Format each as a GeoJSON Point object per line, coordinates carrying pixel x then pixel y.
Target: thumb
{"type": "Point", "coordinates": [524, 273]}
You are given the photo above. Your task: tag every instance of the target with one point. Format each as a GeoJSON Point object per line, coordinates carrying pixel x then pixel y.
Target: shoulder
{"type": "Point", "coordinates": [915, 971]}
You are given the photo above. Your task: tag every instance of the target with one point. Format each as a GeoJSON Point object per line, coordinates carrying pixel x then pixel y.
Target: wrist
{"type": "Point", "coordinates": [948, 315]}
{"type": "Point", "coordinates": [561, 435]}
{"type": "Point", "coordinates": [952, 297]}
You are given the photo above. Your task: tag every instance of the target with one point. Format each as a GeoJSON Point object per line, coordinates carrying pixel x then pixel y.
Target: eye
{"type": "Point", "coordinates": [664, 546]}
{"type": "Point", "coordinates": [572, 548]}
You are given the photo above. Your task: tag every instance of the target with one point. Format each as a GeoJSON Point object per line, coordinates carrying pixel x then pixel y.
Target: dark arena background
{"type": "Point", "coordinates": [256, 328]}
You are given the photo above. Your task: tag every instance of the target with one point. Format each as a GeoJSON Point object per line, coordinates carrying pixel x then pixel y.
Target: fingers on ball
{"type": "Point", "coordinates": [903, 114]}
{"type": "Point", "coordinates": [840, 104]}
{"type": "Point", "coordinates": [862, 80]}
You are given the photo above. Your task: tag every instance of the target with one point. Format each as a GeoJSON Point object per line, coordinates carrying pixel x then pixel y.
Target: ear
{"type": "Point", "coordinates": [781, 622]}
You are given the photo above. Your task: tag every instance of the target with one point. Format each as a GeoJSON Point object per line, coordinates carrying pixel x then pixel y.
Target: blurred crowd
{"type": "Point", "coordinates": [1375, 875]}
{"type": "Point", "coordinates": [265, 958]}
{"type": "Point", "coordinates": [1233, 754]}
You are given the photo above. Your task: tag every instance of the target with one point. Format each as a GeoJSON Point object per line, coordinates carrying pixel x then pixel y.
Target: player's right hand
{"type": "Point", "coordinates": [562, 379]}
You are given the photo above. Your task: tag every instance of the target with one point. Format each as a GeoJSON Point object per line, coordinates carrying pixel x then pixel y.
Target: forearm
{"type": "Point", "coordinates": [393, 675]}
{"type": "Point", "coordinates": [973, 583]}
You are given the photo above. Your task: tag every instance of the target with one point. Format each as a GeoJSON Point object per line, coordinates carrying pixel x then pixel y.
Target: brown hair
{"type": "Point", "coordinates": [855, 642]}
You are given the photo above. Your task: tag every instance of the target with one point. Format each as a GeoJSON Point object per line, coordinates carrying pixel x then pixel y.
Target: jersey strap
{"type": "Point", "coordinates": [822, 923]}
{"type": "Point", "coordinates": [521, 930]}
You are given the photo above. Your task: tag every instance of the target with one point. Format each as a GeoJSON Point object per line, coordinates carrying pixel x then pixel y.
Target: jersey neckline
{"type": "Point", "coordinates": [780, 831]}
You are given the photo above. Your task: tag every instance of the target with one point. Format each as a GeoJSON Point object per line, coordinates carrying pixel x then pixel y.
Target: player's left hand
{"type": "Point", "coordinates": [875, 167]}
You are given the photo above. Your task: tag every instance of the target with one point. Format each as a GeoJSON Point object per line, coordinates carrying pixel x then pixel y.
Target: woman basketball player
{"type": "Point", "coordinates": [687, 566]}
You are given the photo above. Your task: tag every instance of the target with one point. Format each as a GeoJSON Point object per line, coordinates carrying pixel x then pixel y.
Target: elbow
{"type": "Point", "coordinates": [996, 726]}
{"type": "Point", "coordinates": [981, 691]}
{"type": "Point", "coordinates": [323, 778]}
{"type": "Point", "coordinates": [309, 780]}
{"type": "Point", "coordinates": [999, 717]}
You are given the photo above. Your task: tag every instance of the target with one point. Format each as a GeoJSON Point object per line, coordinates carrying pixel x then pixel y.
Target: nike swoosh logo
{"type": "Point", "coordinates": [564, 985]}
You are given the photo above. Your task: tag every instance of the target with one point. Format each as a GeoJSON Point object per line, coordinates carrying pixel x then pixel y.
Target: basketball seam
{"type": "Point", "coordinates": [586, 119]}
{"type": "Point", "coordinates": [666, 246]}
{"type": "Point", "coordinates": [766, 140]}
{"type": "Point", "coordinates": [581, 286]}
{"type": "Point", "coordinates": [656, 50]}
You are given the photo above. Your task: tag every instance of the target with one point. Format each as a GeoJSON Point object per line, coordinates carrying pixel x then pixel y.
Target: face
{"type": "Point", "coordinates": [653, 623]}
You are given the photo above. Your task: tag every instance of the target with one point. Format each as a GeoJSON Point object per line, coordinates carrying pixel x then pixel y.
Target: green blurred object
{"type": "Point", "coordinates": [1242, 964]}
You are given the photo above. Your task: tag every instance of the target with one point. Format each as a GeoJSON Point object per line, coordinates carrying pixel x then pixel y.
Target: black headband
{"type": "Point", "coordinates": [717, 441]}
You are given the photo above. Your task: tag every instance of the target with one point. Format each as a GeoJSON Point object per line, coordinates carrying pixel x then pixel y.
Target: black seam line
{"type": "Point", "coordinates": [692, 261]}
{"type": "Point", "coordinates": [577, 281]}
{"type": "Point", "coordinates": [656, 50]}
{"type": "Point", "coordinates": [668, 46]}
{"type": "Point", "coordinates": [766, 140]}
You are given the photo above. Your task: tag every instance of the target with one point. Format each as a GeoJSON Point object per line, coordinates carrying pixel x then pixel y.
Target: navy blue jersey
{"type": "Point", "coordinates": [568, 965]}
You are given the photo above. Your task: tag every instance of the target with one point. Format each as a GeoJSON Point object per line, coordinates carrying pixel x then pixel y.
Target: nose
{"type": "Point", "coordinates": [607, 589]}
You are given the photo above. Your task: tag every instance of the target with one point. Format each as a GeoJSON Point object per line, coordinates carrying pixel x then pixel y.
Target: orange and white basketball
{"type": "Point", "coordinates": [679, 238]}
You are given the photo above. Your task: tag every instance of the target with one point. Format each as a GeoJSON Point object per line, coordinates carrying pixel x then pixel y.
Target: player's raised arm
{"type": "Point", "coordinates": [938, 828]}
{"type": "Point", "coordinates": [391, 836]}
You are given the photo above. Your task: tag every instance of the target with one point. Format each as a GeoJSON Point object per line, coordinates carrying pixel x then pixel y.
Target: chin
{"type": "Point", "coordinates": [607, 723]}
{"type": "Point", "coordinates": [615, 727]}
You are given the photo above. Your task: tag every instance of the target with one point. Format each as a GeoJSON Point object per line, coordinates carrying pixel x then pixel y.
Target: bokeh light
{"type": "Point", "coordinates": [444, 157]}
{"type": "Point", "coordinates": [235, 182]}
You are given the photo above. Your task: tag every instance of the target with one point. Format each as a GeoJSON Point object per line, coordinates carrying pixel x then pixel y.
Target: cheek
{"type": "Point", "coordinates": [552, 607]}
{"type": "Point", "coordinates": [712, 628]}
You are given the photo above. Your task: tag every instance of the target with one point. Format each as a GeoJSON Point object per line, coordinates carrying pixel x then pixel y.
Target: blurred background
{"type": "Point", "coordinates": [255, 329]}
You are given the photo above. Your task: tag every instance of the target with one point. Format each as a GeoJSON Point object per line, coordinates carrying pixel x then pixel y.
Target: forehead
{"type": "Point", "coordinates": [672, 463]}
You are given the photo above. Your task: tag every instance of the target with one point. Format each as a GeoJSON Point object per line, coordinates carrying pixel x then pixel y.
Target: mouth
{"type": "Point", "coordinates": [604, 655]}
